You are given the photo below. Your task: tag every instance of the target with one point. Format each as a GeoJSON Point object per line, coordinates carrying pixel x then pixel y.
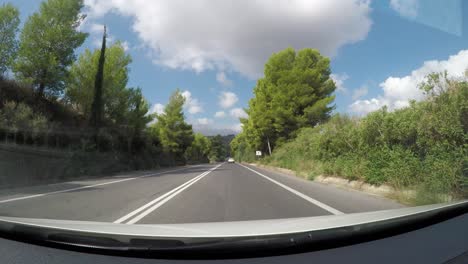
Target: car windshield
{"type": "Point", "coordinates": [188, 112]}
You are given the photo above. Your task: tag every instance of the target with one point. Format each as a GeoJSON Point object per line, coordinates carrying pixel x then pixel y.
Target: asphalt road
{"type": "Point", "coordinates": [203, 193]}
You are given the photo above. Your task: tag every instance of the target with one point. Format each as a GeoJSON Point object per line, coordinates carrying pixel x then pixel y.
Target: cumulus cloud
{"type": "Point", "coordinates": [125, 45]}
{"type": "Point", "coordinates": [227, 99]}
{"type": "Point", "coordinates": [220, 114]}
{"type": "Point", "coordinates": [96, 28]}
{"type": "Point", "coordinates": [157, 109]}
{"type": "Point", "coordinates": [398, 91]}
{"type": "Point", "coordinates": [360, 92]}
{"type": "Point", "coordinates": [192, 105]}
{"type": "Point", "coordinates": [223, 79]}
{"type": "Point", "coordinates": [406, 8]}
{"type": "Point", "coordinates": [238, 35]}
{"type": "Point", "coordinates": [204, 121]}
{"type": "Point", "coordinates": [237, 127]}
{"type": "Point", "coordinates": [238, 113]}
{"type": "Point", "coordinates": [339, 80]}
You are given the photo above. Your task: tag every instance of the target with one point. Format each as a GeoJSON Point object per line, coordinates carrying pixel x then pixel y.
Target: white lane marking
{"type": "Point", "coordinates": [86, 187]}
{"type": "Point", "coordinates": [303, 196]}
{"type": "Point", "coordinates": [127, 216]}
{"type": "Point", "coordinates": [167, 198]}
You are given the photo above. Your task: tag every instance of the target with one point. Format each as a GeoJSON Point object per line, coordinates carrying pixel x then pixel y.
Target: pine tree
{"type": "Point", "coordinates": [47, 45]}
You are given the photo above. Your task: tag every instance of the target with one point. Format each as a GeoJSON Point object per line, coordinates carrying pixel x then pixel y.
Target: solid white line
{"type": "Point", "coordinates": [133, 213]}
{"type": "Point", "coordinates": [303, 196]}
{"type": "Point", "coordinates": [166, 199]}
{"type": "Point", "coordinates": [86, 187]}
{"type": "Point", "coordinates": [63, 191]}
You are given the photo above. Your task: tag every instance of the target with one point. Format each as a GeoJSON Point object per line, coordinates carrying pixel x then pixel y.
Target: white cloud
{"type": "Point", "coordinates": [339, 80]}
{"type": "Point", "coordinates": [360, 92]}
{"type": "Point", "coordinates": [96, 28]}
{"type": "Point", "coordinates": [238, 113]}
{"type": "Point", "coordinates": [227, 99]}
{"type": "Point", "coordinates": [366, 106]}
{"type": "Point", "coordinates": [125, 45]}
{"type": "Point", "coordinates": [204, 121]}
{"type": "Point", "coordinates": [238, 35]}
{"type": "Point", "coordinates": [406, 8]}
{"type": "Point", "coordinates": [157, 109]}
{"type": "Point", "coordinates": [192, 105]}
{"type": "Point", "coordinates": [220, 114]}
{"type": "Point", "coordinates": [398, 91]}
{"type": "Point", "coordinates": [237, 127]}
{"type": "Point", "coordinates": [223, 79]}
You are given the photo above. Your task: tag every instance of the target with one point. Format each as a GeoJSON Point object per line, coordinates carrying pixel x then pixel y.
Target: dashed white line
{"type": "Point", "coordinates": [156, 203]}
{"type": "Point", "coordinates": [86, 187]}
{"type": "Point", "coordinates": [303, 196]}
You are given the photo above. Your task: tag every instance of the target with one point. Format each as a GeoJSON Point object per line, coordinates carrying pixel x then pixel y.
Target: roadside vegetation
{"type": "Point", "coordinates": [53, 98]}
{"type": "Point", "coordinates": [423, 147]}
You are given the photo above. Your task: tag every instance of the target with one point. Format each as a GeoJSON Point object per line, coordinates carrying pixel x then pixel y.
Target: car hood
{"type": "Point", "coordinates": [253, 236]}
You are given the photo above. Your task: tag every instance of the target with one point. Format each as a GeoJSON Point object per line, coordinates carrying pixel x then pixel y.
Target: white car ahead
{"type": "Point", "coordinates": [230, 160]}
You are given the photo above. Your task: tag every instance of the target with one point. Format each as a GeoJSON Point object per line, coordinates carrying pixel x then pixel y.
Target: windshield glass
{"type": "Point", "coordinates": [175, 112]}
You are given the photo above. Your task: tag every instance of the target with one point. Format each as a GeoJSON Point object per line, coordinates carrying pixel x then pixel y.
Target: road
{"type": "Point", "coordinates": [202, 193]}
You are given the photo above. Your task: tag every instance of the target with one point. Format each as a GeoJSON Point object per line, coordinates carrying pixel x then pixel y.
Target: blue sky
{"type": "Point", "coordinates": [213, 51]}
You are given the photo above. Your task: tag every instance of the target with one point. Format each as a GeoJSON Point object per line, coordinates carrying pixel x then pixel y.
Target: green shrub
{"type": "Point", "coordinates": [423, 146]}
{"type": "Point", "coordinates": [350, 166]}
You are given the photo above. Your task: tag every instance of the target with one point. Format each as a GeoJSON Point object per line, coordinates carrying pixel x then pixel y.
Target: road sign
{"type": "Point", "coordinates": [258, 153]}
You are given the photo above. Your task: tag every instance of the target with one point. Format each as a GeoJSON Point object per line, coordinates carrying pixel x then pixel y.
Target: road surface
{"type": "Point", "coordinates": [203, 193]}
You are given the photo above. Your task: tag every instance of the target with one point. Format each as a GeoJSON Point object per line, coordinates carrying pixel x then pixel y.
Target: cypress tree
{"type": "Point", "coordinates": [97, 106]}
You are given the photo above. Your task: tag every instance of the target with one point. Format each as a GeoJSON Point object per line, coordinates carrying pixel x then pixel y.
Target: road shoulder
{"type": "Point", "coordinates": [359, 200]}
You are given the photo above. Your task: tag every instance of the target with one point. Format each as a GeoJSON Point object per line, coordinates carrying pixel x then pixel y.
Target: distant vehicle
{"type": "Point", "coordinates": [231, 160]}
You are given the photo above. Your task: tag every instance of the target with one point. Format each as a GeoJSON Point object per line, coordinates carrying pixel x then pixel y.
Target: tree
{"type": "Point", "coordinates": [240, 148]}
{"type": "Point", "coordinates": [175, 134]}
{"type": "Point", "coordinates": [47, 45]}
{"type": "Point", "coordinates": [97, 106]}
{"type": "Point", "coordinates": [199, 150]}
{"type": "Point", "coordinates": [137, 114]}
{"type": "Point", "coordinates": [9, 22]}
{"type": "Point", "coordinates": [80, 93]}
{"type": "Point", "coordinates": [218, 151]}
{"type": "Point", "coordinates": [296, 92]}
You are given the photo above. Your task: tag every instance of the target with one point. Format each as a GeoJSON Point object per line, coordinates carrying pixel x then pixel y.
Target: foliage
{"type": "Point", "coordinates": [46, 65]}
{"type": "Point", "coordinates": [97, 107]}
{"type": "Point", "coordinates": [218, 151]}
{"type": "Point", "coordinates": [20, 117]}
{"type": "Point", "coordinates": [80, 90]}
{"type": "Point", "coordinates": [9, 23]}
{"type": "Point", "coordinates": [423, 146]}
{"type": "Point", "coordinates": [199, 151]}
{"type": "Point", "coordinates": [296, 92]}
{"type": "Point", "coordinates": [240, 149]}
{"type": "Point", "coordinates": [53, 110]}
{"type": "Point", "coordinates": [175, 134]}
{"type": "Point", "coordinates": [136, 116]}
{"type": "Point", "coordinates": [47, 45]}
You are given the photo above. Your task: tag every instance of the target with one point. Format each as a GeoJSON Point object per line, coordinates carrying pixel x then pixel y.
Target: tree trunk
{"type": "Point", "coordinates": [40, 91]}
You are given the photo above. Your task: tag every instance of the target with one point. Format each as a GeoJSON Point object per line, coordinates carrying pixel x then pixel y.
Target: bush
{"type": "Point", "coordinates": [423, 146]}
{"type": "Point", "coordinates": [398, 167]}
